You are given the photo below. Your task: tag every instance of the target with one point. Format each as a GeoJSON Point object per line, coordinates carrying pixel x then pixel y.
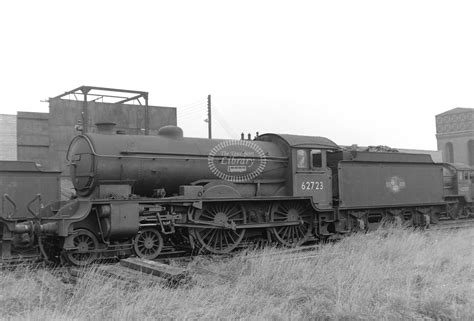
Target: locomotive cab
{"type": "Point", "coordinates": [309, 176]}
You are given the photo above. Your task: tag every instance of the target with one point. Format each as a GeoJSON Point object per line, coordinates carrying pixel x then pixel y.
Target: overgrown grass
{"type": "Point", "coordinates": [391, 275]}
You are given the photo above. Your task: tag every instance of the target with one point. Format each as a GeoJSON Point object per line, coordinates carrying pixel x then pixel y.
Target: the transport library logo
{"type": "Point", "coordinates": [237, 161]}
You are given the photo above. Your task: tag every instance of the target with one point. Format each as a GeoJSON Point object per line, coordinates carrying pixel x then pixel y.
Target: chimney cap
{"type": "Point", "coordinates": [105, 127]}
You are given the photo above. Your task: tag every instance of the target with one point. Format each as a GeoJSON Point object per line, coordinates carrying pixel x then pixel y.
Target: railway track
{"type": "Point", "coordinates": [174, 268]}
{"type": "Point", "coordinates": [12, 263]}
{"type": "Point", "coordinates": [453, 224]}
{"type": "Point", "coordinates": [171, 254]}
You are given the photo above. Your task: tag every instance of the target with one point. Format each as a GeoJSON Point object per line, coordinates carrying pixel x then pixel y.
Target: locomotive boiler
{"type": "Point", "coordinates": [138, 194]}
{"type": "Point", "coordinates": [147, 164]}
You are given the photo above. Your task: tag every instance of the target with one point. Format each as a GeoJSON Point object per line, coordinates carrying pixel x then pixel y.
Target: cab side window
{"type": "Point", "coordinates": [301, 158]}
{"type": "Point", "coordinates": [316, 158]}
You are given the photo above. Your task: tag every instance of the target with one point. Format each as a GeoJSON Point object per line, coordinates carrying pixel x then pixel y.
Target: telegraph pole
{"type": "Point", "coordinates": [209, 119]}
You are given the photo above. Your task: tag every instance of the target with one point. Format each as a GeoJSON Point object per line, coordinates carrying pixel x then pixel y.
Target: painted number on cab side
{"type": "Point", "coordinates": [312, 185]}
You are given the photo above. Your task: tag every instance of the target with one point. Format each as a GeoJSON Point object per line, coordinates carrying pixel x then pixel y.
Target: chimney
{"type": "Point", "coordinates": [106, 128]}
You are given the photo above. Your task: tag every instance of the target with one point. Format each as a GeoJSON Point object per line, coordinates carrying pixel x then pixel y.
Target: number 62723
{"type": "Point", "coordinates": [312, 185]}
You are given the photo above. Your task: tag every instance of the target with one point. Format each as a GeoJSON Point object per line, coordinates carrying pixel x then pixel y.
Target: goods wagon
{"type": "Point", "coordinates": [24, 188]}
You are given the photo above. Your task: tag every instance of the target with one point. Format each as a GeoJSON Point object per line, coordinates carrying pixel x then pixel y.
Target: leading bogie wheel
{"type": "Point", "coordinates": [148, 243]}
{"type": "Point", "coordinates": [86, 246]}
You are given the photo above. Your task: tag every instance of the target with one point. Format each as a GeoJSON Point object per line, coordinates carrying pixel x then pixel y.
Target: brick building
{"type": "Point", "coordinates": [8, 137]}
{"type": "Point", "coordinates": [455, 135]}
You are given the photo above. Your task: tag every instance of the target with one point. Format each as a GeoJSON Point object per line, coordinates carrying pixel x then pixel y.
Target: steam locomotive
{"type": "Point", "coordinates": [139, 194]}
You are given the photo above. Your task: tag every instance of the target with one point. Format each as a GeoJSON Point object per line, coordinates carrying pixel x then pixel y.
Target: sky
{"type": "Point", "coordinates": [357, 72]}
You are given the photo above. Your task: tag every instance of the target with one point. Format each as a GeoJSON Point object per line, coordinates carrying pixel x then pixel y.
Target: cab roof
{"type": "Point", "coordinates": [298, 141]}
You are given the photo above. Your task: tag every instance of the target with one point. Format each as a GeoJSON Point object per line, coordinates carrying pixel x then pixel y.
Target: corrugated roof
{"type": "Point", "coordinates": [19, 166]}
{"type": "Point", "coordinates": [460, 166]}
{"type": "Point", "coordinates": [457, 110]}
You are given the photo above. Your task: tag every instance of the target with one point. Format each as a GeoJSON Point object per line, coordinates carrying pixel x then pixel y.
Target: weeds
{"type": "Point", "coordinates": [388, 275]}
